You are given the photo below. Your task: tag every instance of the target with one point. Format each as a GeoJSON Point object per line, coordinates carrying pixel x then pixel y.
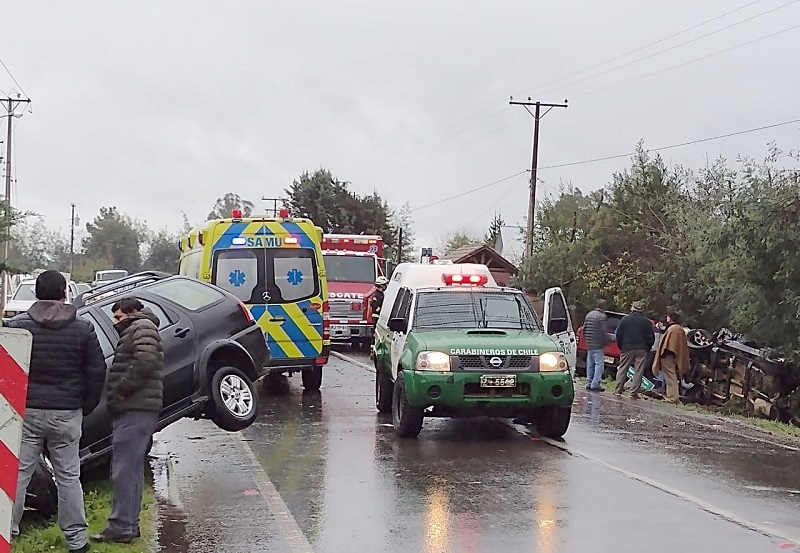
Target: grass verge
{"type": "Point", "coordinates": [765, 425]}
{"type": "Point", "coordinates": [41, 536]}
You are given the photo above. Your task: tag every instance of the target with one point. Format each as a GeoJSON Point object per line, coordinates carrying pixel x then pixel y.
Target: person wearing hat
{"type": "Point", "coordinates": [635, 337]}
{"type": "Point", "coordinates": [672, 356]}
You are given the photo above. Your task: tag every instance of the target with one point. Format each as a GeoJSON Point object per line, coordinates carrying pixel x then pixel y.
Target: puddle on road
{"type": "Point", "coordinates": [171, 530]}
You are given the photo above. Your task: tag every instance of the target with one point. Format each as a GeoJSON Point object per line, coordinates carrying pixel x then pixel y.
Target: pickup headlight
{"type": "Point", "coordinates": [553, 362]}
{"type": "Point", "coordinates": [433, 361]}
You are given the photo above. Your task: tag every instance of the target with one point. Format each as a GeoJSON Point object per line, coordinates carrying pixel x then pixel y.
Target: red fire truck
{"type": "Point", "coordinates": [352, 263]}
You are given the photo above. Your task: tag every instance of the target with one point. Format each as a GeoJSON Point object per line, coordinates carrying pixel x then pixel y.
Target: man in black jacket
{"type": "Point", "coordinates": [635, 337]}
{"type": "Point", "coordinates": [65, 382]}
{"type": "Point", "coordinates": [134, 395]}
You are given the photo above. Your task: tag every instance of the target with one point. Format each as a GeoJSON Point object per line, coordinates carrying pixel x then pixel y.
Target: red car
{"type": "Point", "coordinates": [611, 353]}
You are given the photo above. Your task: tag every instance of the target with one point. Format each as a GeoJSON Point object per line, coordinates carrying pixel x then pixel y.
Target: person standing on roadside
{"type": "Point", "coordinates": [65, 383]}
{"type": "Point", "coordinates": [672, 356]}
{"type": "Point", "coordinates": [595, 332]}
{"type": "Point", "coordinates": [134, 395]}
{"type": "Point", "coordinates": [635, 337]}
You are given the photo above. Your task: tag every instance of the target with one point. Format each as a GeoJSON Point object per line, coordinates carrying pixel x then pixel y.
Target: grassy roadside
{"type": "Point", "coordinates": [38, 537]}
{"type": "Point", "coordinates": [763, 425]}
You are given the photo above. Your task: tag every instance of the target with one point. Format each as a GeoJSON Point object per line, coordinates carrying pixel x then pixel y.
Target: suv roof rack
{"type": "Point", "coordinates": [119, 286]}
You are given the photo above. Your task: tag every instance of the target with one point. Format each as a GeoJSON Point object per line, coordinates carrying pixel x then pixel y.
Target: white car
{"type": "Point", "coordinates": [25, 296]}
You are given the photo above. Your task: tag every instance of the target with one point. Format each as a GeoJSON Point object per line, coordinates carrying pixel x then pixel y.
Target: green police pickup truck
{"type": "Point", "coordinates": [451, 343]}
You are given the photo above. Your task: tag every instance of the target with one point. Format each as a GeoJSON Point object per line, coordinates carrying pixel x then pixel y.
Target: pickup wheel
{"type": "Point", "coordinates": [552, 422]}
{"type": "Point", "coordinates": [312, 379]}
{"type": "Point", "coordinates": [406, 419]}
{"type": "Point", "coordinates": [383, 390]}
{"type": "Point", "coordinates": [235, 401]}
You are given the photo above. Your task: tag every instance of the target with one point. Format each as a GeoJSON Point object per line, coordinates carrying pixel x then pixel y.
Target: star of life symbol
{"type": "Point", "coordinates": [237, 278]}
{"type": "Point", "coordinates": [295, 277]}
{"type": "Point", "coordinates": [373, 249]}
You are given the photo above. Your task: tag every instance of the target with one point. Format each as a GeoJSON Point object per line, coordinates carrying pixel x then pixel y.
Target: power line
{"type": "Point", "coordinates": [637, 60]}
{"type": "Point", "coordinates": [12, 78]}
{"type": "Point", "coordinates": [608, 158]}
{"type": "Point", "coordinates": [684, 64]}
{"type": "Point", "coordinates": [672, 146]}
{"type": "Point", "coordinates": [469, 191]}
{"type": "Point", "coordinates": [495, 204]}
{"type": "Point", "coordinates": [659, 41]}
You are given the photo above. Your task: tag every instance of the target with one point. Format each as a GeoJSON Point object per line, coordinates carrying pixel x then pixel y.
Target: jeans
{"type": "Point", "coordinates": [595, 366]}
{"type": "Point", "coordinates": [61, 431]}
{"type": "Point", "coordinates": [132, 434]}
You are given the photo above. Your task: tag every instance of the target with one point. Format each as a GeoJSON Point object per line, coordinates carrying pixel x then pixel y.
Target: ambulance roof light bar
{"type": "Point", "coordinates": [469, 280]}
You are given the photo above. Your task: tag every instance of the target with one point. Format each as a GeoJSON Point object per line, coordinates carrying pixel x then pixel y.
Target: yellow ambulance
{"type": "Point", "coordinates": [274, 266]}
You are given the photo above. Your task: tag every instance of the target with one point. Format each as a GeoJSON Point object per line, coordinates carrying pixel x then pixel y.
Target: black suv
{"type": "Point", "coordinates": [213, 352]}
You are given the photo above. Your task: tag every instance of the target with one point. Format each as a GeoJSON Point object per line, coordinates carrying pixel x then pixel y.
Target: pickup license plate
{"type": "Point", "coordinates": [498, 380]}
{"type": "Point", "coordinates": [339, 329]}
{"type": "Point", "coordinates": [608, 360]}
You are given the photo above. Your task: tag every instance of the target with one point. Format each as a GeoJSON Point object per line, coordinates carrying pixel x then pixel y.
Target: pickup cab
{"type": "Point", "coordinates": [450, 342]}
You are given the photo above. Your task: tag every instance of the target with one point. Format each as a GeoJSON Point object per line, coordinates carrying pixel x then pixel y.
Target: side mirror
{"type": "Point", "coordinates": [557, 326]}
{"type": "Point", "coordinates": [398, 324]}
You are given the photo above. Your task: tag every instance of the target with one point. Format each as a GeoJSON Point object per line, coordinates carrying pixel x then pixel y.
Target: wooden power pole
{"type": "Point", "coordinates": [537, 116]}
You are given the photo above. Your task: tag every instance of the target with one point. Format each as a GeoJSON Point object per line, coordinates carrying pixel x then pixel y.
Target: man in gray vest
{"type": "Point", "coordinates": [595, 332]}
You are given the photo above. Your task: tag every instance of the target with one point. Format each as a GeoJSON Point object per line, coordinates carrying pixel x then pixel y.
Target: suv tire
{"type": "Point", "coordinates": [312, 379]}
{"type": "Point", "coordinates": [553, 421]}
{"type": "Point", "coordinates": [235, 401]}
{"type": "Point", "coordinates": [42, 493]}
{"type": "Point", "coordinates": [384, 390]}
{"type": "Point", "coordinates": [406, 419]}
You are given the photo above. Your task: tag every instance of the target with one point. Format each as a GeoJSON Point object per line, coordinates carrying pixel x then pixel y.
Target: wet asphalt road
{"type": "Point", "coordinates": [325, 473]}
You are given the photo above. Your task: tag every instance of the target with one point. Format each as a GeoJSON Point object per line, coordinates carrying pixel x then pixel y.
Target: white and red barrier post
{"type": "Point", "coordinates": [15, 358]}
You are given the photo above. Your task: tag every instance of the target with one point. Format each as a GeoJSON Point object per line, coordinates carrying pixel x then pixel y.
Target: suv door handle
{"type": "Point", "coordinates": [181, 332]}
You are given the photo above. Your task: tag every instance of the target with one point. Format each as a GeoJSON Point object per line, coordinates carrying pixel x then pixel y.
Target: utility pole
{"type": "Point", "coordinates": [10, 105]}
{"type": "Point", "coordinates": [72, 241]}
{"type": "Point", "coordinates": [274, 201]}
{"type": "Point", "coordinates": [400, 247]}
{"type": "Point", "coordinates": [537, 116]}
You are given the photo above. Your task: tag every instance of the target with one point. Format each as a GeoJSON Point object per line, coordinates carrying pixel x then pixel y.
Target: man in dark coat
{"type": "Point", "coordinates": [134, 396]}
{"type": "Point", "coordinates": [595, 332]}
{"type": "Point", "coordinates": [635, 337]}
{"type": "Point", "coordinates": [65, 383]}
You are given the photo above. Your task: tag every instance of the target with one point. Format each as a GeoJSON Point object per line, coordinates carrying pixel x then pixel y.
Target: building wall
{"type": "Point", "coordinates": [503, 278]}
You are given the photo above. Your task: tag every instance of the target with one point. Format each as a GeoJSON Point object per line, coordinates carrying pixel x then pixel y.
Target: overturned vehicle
{"type": "Point", "coordinates": [729, 371]}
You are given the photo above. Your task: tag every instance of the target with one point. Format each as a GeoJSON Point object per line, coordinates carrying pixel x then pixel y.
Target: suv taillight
{"type": "Point", "coordinates": [247, 314]}
{"type": "Point", "coordinates": [326, 321]}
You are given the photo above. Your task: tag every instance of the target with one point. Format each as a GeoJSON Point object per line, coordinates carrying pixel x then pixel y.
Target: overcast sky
{"type": "Point", "coordinates": [161, 107]}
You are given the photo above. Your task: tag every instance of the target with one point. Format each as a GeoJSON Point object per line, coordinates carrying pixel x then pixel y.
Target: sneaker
{"type": "Point", "coordinates": [597, 389]}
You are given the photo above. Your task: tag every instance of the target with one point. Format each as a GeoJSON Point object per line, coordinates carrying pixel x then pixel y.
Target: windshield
{"type": "Point", "coordinates": [111, 275]}
{"type": "Point", "coordinates": [343, 268]}
{"type": "Point", "coordinates": [467, 309]}
{"type": "Point", "coordinates": [26, 292]}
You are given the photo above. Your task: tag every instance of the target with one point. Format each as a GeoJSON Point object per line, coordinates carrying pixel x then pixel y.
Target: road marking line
{"type": "Point", "coordinates": [353, 361]}
{"type": "Point", "coordinates": [706, 506]}
{"type": "Point", "coordinates": [297, 541]}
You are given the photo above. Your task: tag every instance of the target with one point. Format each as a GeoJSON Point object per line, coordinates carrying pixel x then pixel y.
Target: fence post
{"type": "Point", "coordinates": [15, 358]}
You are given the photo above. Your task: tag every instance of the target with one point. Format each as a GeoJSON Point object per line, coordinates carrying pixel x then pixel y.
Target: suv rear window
{"type": "Point", "coordinates": [187, 293]}
{"type": "Point", "coordinates": [457, 310]}
{"type": "Point", "coordinates": [267, 275]}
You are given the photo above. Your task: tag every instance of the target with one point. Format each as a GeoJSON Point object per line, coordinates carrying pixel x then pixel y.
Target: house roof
{"type": "Point", "coordinates": [483, 254]}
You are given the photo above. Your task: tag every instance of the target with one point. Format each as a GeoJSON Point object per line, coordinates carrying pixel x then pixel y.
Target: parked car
{"type": "Point", "coordinates": [25, 295]}
{"type": "Point", "coordinates": [213, 351]}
